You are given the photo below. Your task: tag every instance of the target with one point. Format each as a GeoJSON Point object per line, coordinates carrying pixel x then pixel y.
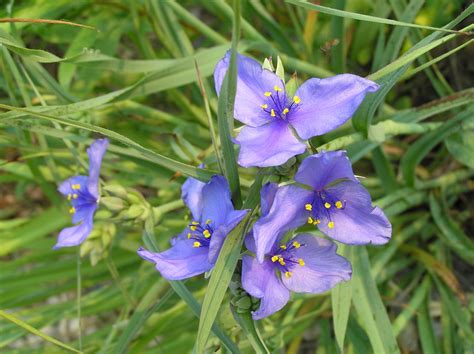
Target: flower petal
{"type": "Point", "coordinates": [191, 193]}
{"type": "Point", "coordinates": [321, 169]}
{"type": "Point", "coordinates": [65, 188]}
{"type": "Point", "coordinates": [252, 83]}
{"type": "Point", "coordinates": [358, 222]}
{"type": "Point", "coordinates": [96, 152]}
{"type": "Point", "coordinates": [181, 261]}
{"type": "Point", "coordinates": [286, 213]}
{"type": "Point", "coordinates": [216, 201]}
{"type": "Point", "coordinates": [267, 195]}
{"type": "Point", "coordinates": [269, 145]}
{"type": "Point", "coordinates": [323, 268]}
{"type": "Point", "coordinates": [218, 237]}
{"type": "Point", "coordinates": [260, 281]}
{"type": "Point", "coordinates": [328, 103]}
{"type": "Point", "coordinates": [75, 235]}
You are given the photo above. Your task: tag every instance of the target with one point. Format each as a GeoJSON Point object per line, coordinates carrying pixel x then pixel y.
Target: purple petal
{"type": "Point", "coordinates": [323, 268]}
{"type": "Point", "coordinates": [216, 201]}
{"type": "Point", "coordinates": [82, 211]}
{"type": "Point", "coordinates": [328, 103]}
{"type": "Point", "coordinates": [358, 222]}
{"type": "Point", "coordinates": [96, 152]}
{"type": "Point", "coordinates": [269, 145]}
{"type": "Point", "coordinates": [260, 281]}
{"type": "Point", "coordinates": [321, 169]}
{"type": "Point", "coordinates": [267, 195]}
{"type": "Point", "coordinates": [250, 242]}
{"type": "Point", "coordinates": [286, 213]}
{"type": "Point", "coordinates": [252, 83]}
{"type": "Point", "coordinates": [218, 237]}
{"type": "Point", "coordinates": [75, 235]}
{"type": "Point", "coordinates": [65, 188]}
{"type": "Point", "coordinates": [180, 261]}
{"type": "Point", "coordinates": [191, 193]}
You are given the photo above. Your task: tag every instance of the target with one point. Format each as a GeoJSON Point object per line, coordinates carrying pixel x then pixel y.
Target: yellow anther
{"type": "Point", "coordinates": [285, 111]}
{"type": "Point", "coordinates": [327, 205]}
{"type": "Point", "coordinates": [268, 93]}
{"type": "Point", "coordinates": [275, 258]}
{"type": "Point", "coordinates": [72, 210]}
{"type": "Point", "coordinates": [296, 99]}
{"type": "Point", "coordinates": [310, 220]}
{"type": "Point", "coordinates": [288, 274]}
{"type": "Point", "coordinates": [283, 247]}
{"type": "Point", "coordinates": [301, 262]}
{"type": "Point", "coordinates": [264, 106]}
{"type": "Point", "coordinates": [272, 113]}
{"type": "Point", "coordinates": [75, 196]}
{"type": "Point", "coordinates": [69, 196]}
{"type": "Point", "coordinates": [189, 235]}
{"type": "Point", "coordinates": [281, 261]}
{"type": "Point", "coordinates": [331, 224]}
{"type": "Point", "coordinates": [76, 186]}
{"type": "Point", "coordinates": [206, 233]}
{"type": "Point", "coordinates": [277, 88]}
{"type": "Point", "coordinates": [194, 223]}
{"type": "Point", "coordinates": [339, 204]}
{"type": "Point", "coordinates": [316, 222]}
{"type": "Point", "coordinates": [208, 221]}
{"type": "Point", "coordinates": [308, 207]}
{"type": "Point", "coordinates": [196, 244]}
{"type": "Point", "coordinates": [296, 244]}
{"type": "Point", "coordinates": [193, 228]}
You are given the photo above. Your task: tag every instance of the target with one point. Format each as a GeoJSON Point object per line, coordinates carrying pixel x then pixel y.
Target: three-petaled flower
{"type": "Point", "coordinates": [195, 250]}
{"type": "Point", "coordinates": [83, 194]}
{"type": "Point", "coordinates": [305, 264]}
{"type": "Point", "coordinates": [271, 115]}
{"type": "Point", "coordinates": [332, 199]}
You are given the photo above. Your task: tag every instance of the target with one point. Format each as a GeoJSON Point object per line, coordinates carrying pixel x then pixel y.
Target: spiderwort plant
{"type": "Point", "coordinates": [83, 194]}
{"type": "Point", "coordinates": [272, 117]}
{"type": "Point", "coordinates": [329, 197]}
{"type": "Point", "coordinates": [195, 250]}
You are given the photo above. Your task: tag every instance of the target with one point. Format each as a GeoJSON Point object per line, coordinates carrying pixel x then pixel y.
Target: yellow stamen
{"type": "Point", "coordinates": [272, 113]}
{"type": "Point", "coordinates": [331, 224]}
{"type": "Point", "coordinates": [196, 244]}
{"type": "Point", "coordinates": [296, 99]}
{"type": "Point", "coordinates": [264, 106]}
{"type": "Point", "coordinates": [75, 196]}
{"type": "Point", "coordinates": [194, 223]}
{"type": "Point", "coordinates": [72, 210]}
{"type": "Point", "coordinates": [327, 205]}
{"type": "Point", "coordinates": [193, 228]}
{"type": "Point", "coordinates": [189, 235]}
{"type": "Point", "coordinates": [339, 204]}
{"type": "Point", "coordinates": [275, 258]}
{"type": "Point", "coordinates": [281, 261]}
{"type": "Point", "coordinates": [285, 111]}
{"type": "Point", "coordinates": [69, 196]}
{"type": "Point", "coordinates": [296, 244]}
{"type": "Point", "coordinates": [308, 207]}
{"type": "Point", "coordinates": [277, 88]}
{"type": "Point", "coordinates": [301, 262]}
{"type": "Point", "coordinates": [283, 247]}
{"type": "Point", "coordinates": [316, 222]}
{"type": "Point", "coordinates": [76, 186]}
{"type": "Point", "coordinates": [288, 274]}
{"type": "Point", "coordinates": [206, 233]}
{"type": "Point", "coordinates": [310, 220]}
{"type": "Point", "coordinates": [208, 221]}
{"type": "Point", "coordinates": [268, 93]}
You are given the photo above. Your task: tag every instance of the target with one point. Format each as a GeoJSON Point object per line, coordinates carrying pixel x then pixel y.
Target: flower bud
{"type": "Point", "coordinates": [116, 190]}
{"type": "Point", "coordinates": [112, 203]}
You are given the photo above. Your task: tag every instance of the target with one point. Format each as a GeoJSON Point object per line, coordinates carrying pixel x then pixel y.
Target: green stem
{"type": "Point", "coordinates": [78, 296]}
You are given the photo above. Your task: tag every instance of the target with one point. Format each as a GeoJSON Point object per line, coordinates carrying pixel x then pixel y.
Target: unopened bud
{"type": "Point", "coordinates": [116, 190]}
{"type": "Point", "coordinates": [112, 203]}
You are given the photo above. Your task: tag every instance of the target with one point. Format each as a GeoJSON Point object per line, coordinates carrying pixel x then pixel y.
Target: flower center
{"type": "Point", "coordinates": [278, 105]}
{"type": "Point", "coordinates": [201, 234]}
{"type": "Point", "coordinates": [284, 259]}
{"type": "Point", "coordinates": [322, 207]}
{"type": "Point", "coordinates": [79, 197]}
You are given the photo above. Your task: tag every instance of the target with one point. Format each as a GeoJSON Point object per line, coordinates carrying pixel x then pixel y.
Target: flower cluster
{"type": "Point", "coordinates": [323, 194]}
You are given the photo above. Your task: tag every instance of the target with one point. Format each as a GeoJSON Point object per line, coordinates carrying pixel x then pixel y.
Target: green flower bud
{"type": "Point", "coordinates": [116, 190]}
{"type": "Point", "coordinates": [112, 203]}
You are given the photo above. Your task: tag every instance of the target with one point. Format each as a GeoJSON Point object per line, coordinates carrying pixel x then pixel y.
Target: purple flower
{"type": "Point", "coordinates": [306, 264]}
{"type": "Point", "coordinates": [262, 104]}
{"type": "Point", "coordinates": [195, 250]}
{"type": "Point", "coordinates": [83, 194]}
{"type": "Point", "coordinates": [334, 201]}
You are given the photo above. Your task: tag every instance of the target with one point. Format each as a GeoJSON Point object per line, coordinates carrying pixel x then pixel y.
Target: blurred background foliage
{"type": "Point", "coordinates": [134, 74]}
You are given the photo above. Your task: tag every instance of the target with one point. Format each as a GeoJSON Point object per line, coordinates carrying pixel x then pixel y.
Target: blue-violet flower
{"type": "Point", "coordinates": [83, 194]}
{"type": "Point", "coordinates": [195, 250]}
{"type": "Point", "coordinates": [269, 113]}
{"type": "Point", "coordinates": [333, 200]}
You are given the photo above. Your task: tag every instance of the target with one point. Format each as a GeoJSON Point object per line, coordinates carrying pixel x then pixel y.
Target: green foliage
{"type": "Point", "coordinates": [143, 78]}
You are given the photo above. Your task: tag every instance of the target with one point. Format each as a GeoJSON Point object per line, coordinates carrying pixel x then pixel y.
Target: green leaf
{"type": "Point", "coordinates": [461, 144]}
{"type": "Point", "coordinates": [219, 281]}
